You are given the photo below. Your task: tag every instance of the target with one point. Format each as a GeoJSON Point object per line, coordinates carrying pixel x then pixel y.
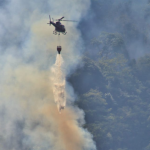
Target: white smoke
{"type": "Point", "coordinates": [29, 119]}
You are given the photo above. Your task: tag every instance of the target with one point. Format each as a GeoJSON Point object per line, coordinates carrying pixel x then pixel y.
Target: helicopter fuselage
{"type": "Point", "coordinates": [58, 26]}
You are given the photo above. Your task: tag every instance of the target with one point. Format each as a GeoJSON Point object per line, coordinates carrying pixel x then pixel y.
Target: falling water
{"type": "Point", "coordinates": [58, 80]}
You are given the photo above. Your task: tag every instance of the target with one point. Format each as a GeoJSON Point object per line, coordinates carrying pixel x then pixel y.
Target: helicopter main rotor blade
{"type": "Point", "coordinates": [70, 20]}
{"type": "Point", "coordinates": [61, 18]}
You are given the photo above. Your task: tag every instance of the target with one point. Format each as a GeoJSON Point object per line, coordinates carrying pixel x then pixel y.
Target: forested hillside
{"type": "Point", "coordinates": [113, 86]}
{"type": "Point", "coordinates": [115, 97]}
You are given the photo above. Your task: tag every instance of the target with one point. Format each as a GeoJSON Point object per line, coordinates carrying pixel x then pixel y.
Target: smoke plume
{"type": "Point", "coordinates": [128, 18]}
{"type": "Point", "coordinates": [29, 119]}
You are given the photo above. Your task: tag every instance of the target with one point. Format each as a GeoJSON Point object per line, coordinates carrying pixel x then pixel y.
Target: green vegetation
{"type": "Point", "coordinates": [114, 93]}
{"type": "Point", "coordinates": [113, 87]}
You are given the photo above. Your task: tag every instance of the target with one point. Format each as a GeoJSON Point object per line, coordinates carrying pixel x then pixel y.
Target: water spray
{"type": "Point", "coordinates": [59, 83]}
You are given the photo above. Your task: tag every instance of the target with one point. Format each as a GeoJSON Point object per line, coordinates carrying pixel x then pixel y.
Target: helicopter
{"type": "Point", "coordinates": [58, 26]}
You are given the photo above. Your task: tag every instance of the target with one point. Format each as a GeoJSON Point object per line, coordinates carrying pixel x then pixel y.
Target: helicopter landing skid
{"type": "Point", "coordinates": [64, 33]}
{"type": "Point", "coordinates": [55, 32]}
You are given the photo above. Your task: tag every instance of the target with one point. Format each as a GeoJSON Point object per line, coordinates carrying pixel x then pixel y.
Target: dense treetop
{"type": "Point", "coordinates": [113, 86]}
